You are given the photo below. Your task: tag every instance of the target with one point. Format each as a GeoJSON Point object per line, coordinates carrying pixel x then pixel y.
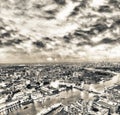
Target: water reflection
{"type": "Point", "coordinates": [65, 97]}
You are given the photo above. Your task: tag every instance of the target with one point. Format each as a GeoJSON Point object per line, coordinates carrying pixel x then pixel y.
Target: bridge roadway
{"type": "Point", "coordinates": [9, 107]}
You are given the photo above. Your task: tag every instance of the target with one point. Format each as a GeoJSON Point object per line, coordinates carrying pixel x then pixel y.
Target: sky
{"type": "Point", "coordinates": [36, 31]}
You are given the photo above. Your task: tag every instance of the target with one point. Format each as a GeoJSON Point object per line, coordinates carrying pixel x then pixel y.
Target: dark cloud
{"type": "Point", "coordinates": [105, 8]}
{"type": "Point", "coordinates": [6, 34]}
{"type": "Point", "coordinates": [100, 27]}
{"type": "Point", "coordinates": [0, 43]}
{"type": "Point", "coordinates": [82, 34]}
{"type": "Point", "coordinates": [61, 2]}
{"type": "Point", "coordinates": [94, 30]}
{"type": "Point", "coordinates": [39, 44]}
{"type": "Point", "coordinates": [109, 41]}
{"type": "Point", "coordinates": [75, 11]}
{"type": "Point", "coordinates": [83, 4]}
{"type": "Point", "coordinates": [10, 42]}
{"type": "Point", "coordinates": [117, 21]}
{"type": "Point", "coordinates": [1, 28]}
{"type": "Point", "coordinates": [49, 17]}
{"type": "Point", "coordinates": [47, 39]}
{"type": "Point", "coordinates": [115, 3]}
{"type": "Point", "coordinates": [37, 6]}
{"type": "Point", "coordinates": [51, 12]}
{"type": "Point", "coordinates": [67, 38]}
{"type": "Point", "coordinates": [84, 43]}
{"type": "Point", "coordinates": [17, 41]}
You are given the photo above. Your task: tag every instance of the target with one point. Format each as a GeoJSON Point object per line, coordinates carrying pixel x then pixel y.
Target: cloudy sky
{"type": "Point", "coordinates": [59, 30]}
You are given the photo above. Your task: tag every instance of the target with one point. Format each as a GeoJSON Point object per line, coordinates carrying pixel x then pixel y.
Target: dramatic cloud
{"type": "Point", "coordinates": [109, 41]}
{"type": "Point", "coordinates": [39, 44]}
{"type": "Point", "coordinates": [59, 30]}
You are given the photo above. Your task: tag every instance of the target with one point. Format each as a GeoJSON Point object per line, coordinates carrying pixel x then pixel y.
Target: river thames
{"type": "Point", "coordinates": [66, 97]}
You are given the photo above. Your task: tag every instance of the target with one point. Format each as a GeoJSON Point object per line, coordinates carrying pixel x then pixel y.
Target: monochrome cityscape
{"type": "Point", "coordinates": [60, 89]}
{"type": "Point", "coordinates": [59, 57]}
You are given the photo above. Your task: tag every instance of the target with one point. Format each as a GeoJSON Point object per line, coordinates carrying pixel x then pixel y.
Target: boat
{"type": "Point", "coordinates": [25, 107]}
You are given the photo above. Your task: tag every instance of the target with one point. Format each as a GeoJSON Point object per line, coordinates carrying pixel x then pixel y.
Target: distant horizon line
{"type": "Point", "coordinates": [20, 63]}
